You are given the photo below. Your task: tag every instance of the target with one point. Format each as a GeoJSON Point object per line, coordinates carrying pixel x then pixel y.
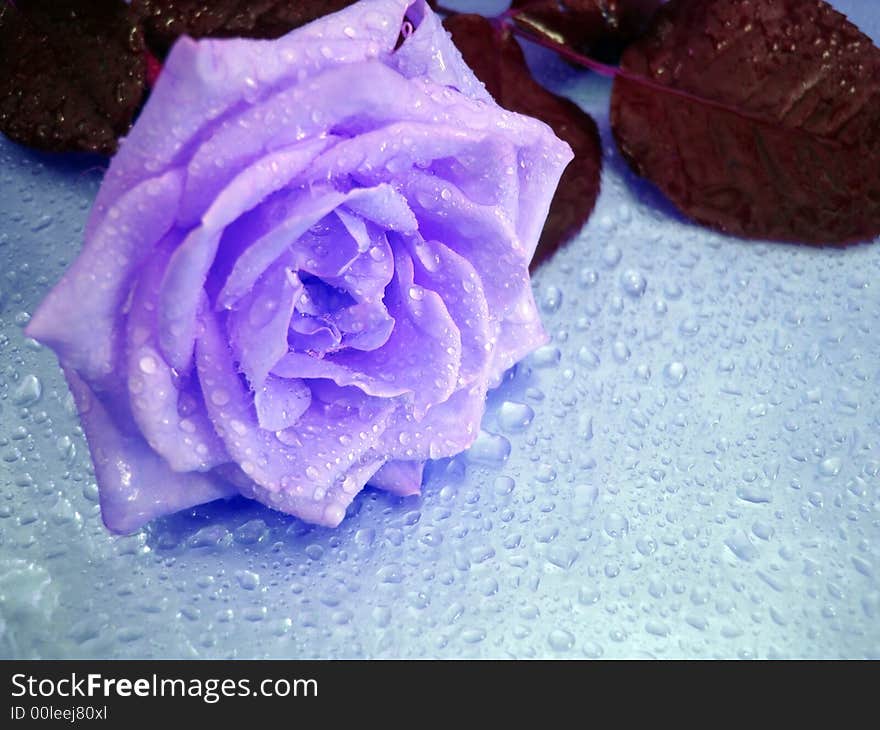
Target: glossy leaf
{"type": "Point", "coordinates": [602, 27]}
{"type": "Point", "coordinates": [757, 117]}
{"type": "Point", "coordinates": [73, 73]}
{"type": "Point", "coordinates": [497, 59]}
{"type": "Point", "coordinates": [165, 21]}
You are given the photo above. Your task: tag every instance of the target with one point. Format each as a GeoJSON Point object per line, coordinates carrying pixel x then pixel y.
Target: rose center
{"type": "Point", "coordinates": [314, 327]}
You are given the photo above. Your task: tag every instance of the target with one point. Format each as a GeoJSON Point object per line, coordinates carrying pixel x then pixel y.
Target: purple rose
{"type": "Point", "coordinates": [305, 266]}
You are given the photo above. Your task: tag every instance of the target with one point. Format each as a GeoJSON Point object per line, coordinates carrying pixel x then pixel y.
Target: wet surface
{"type": "Point", "coordinates": [691, 468]}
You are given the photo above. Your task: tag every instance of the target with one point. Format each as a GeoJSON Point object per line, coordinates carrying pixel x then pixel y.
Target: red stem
{"type": "Point", "coordinates": [615, 71]}
{"type": "Point", "coordinates": [511, 13]}
{"type": "Point", "coordinates": [568, 53]}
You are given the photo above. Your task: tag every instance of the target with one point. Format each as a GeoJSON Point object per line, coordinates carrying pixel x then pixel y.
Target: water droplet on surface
{"type": "Point", "coordinates": [560, 640]}
{"type": "Point", "coordinates": [611, 255]}
{"type": "Point", "coordinates": [616, 525]}
{"type": "Point", "coordinates": [551, 300]}
{"type": "Point", "coordinates": [248, 579]}
{"type": "Point", "coordinates": [620, 351]}
{"type": "Point", "coordinates": [489, 448]}
{"type": "Point", "coordinates": [741, 546]}
{"type": "Point", "coordinates": [674, 373]}
{"type": "Point", "coordinates": [514, 416]}
{"type": "Point", "coordinates": [633, 283]}
{"type": "Point", "coordinates": [28, 391]}
{"type": "Point", "coordinates": [588, 357]}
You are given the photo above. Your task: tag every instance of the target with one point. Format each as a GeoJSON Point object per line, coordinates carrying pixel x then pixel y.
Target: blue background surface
{"type": "Point", "coordinates": [690, 469]}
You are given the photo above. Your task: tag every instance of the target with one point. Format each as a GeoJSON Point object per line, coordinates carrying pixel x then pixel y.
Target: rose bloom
{"type": "Point", "coordinates": [304, 268]}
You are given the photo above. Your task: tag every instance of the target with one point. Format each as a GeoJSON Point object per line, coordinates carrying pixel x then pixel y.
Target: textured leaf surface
{"type": "Point", "coordinates": [166, 20]}
{"type": "Point", "coordinates": [760, 118]}
{"type": "Point", "coordinates": [600, 26]}
{"type": "Point", "coordinates": [73, 73]}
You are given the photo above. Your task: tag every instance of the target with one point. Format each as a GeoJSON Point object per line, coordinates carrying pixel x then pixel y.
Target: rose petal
{"type": "Point", "coordinates": [280, 402]}
{"type": "Point", "coordinates": [135, 484]}
{"type": "Point", "coordinates": [368, 274]}
{"type": "Point", "coordinates": [301, 365]}
{"type": "Point", "coordinates": [258, 325]}
{"type": "Point", "coordinates": [481, 233]}
{"type": "Point", "coordinates": [403, 478]}
{"type": "Point", "coordinates": [366, 96]}
{"type": "Point", "coordinates": [453, 277]}
{"type": "Point", "coordinates": [327, 510]}
{"type": "Point", "coordinates": [187, 442]}
{"type": "Point", "coordinates": [192, 260]}
{"type": "Point", "coordinates": [304, 210]}
{"type": "Point", "coordinates": [477, 157]}
{"type": "Point", "coordinates": [429, 53]}
{"type": "Point", "coordinates": [356, 228]}
{"type": "Point", "coordinates": [447, 429]}
{"type": "Point", "coordinates": [213, 187]}
{"type": "Point", "coordinates": [521, 333]}
{"type": "Point", "coordinates": [540, 167]}
{"type": "Point", "coordinates": [202, 81]}
{"type": "Point", "coordinates": [430, 371]}
{"type": "Point", "coordinates": [325, 250]}
{"type": "Point", "coordinates": [489, 243]}
{"type": "Point", "coordinates": [80, 318]}
{"type": "Point", "coordinates": [308, 334]}
{"type": "Point", "coordinates": [301, 470]}
{"type": "Point", "coordinates": [384, 206]}
{"type": "Point", "coordinates": [365, 326]}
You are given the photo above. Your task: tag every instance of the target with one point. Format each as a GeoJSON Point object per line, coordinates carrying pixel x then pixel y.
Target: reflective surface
{"type": "Point", "coordinates": [691, 468]}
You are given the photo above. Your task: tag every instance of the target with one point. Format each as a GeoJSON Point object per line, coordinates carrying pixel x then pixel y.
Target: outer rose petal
{"type": "Point", "coordinates": [479, 233]}
{"type": "Point", "coordinates": [521, 333]}
{"type": "Point", "coordinates": [430, 53]}
{"type": "Point", "coordinates": [136, 484]}
{"type": "Point", "coordinates": [187, 442]}
{"type": "Point", "coordinates": [448, 428]}
{"type": "Point", "coordinates": [81, 317]}
{"type": "Point", "coordinates": [484, 240]}
{"type": "Point", "coordinates": [475, 160]}
{"type": "Point", "coordinates": [400, 477]}
{"type": "Point", "coordinates": [202, 81]}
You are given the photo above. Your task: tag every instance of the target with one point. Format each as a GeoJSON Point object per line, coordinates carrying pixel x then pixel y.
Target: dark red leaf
{"type": "Point", "coordinates": [757, 117]}
{"type": "Point", "coordinates": [153, 66]}
{"type": "Point", "coordinates": [165, 21]}
{"type": "Point", "coordinates": [497, 59]}
{"type": "Point", "coordinates": [73, 73]}
{"type": "Point", "coordinates": [602, 27]}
